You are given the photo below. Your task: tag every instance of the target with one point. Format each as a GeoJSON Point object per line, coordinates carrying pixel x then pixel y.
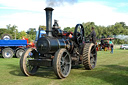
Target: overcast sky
{"type": "Point", "coordinates": [30, 13]}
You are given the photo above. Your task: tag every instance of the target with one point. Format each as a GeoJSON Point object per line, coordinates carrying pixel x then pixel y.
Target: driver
{"type": "Point", "coordinates": [93, 35]}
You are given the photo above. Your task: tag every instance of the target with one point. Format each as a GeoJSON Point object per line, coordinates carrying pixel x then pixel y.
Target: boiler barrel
{"type": "Point", "coordinates": [49, 44]}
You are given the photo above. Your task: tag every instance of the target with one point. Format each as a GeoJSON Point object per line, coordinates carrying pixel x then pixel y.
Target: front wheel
{"type": "Point", "coordinates": [27, 69]}
{"type": "Point", "coordinates": [62, 63]}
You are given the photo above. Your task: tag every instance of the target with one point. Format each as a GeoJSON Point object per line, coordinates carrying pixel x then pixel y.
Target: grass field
{"type": "Point", "coordinates": [111, 69]}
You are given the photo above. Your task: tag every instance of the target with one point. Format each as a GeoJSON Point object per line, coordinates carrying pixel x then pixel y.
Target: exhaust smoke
{"type": "Point", "coordinates": [55, 3]}
{"type": "Point", "coordinates": [122, 37]}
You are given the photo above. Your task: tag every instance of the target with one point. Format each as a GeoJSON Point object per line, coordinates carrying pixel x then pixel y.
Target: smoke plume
{"type": "Point", "coordinates": [122, 37]}
{"type": "Point", "coordinates": [55, 3]}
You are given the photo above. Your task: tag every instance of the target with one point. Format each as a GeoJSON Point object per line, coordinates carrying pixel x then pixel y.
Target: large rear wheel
{"type": "Point", "coordinates": [62, 63]}
{"type": "Point", "coordinates": [89, 56]}
{"type": "Point", "coordinates": [27, 69]}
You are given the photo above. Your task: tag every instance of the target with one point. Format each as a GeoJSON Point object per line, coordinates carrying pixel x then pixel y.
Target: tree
{"type": "Point", "coordinates": [32, 33]}
{"type": "Point", "coordinates": [22, 34]}
{"type": "Point", "coordinates": [67, 29]}
{"type": "Point", "coordinates": [88, 26]}
{"type": "Point", "coordinates": [43, 27]}
{"type": "Point", "coordinates": [3, 31]}
{"type": "Point", "coordinates": [12, 30]}
{"type": "Point", "coordinates": [123, 24]}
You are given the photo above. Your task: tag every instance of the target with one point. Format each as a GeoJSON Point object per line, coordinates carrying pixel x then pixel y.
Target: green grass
{"type": "Point", "coordinates": [111, 69]}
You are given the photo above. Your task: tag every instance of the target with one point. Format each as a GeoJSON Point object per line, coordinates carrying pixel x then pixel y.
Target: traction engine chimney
{"type": "Point", "coordinates": [49, 20]}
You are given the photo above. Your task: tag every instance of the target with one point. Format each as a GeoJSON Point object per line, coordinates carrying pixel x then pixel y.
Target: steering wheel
{"type": "Point", "coordinates": [79, 34]}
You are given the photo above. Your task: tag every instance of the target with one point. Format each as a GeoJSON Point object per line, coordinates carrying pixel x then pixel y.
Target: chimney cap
{"type": "Point", "coordinates": [49, 9]}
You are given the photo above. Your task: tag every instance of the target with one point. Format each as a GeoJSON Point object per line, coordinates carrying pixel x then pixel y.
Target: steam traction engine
{"type": "Point", "coordinates": [59, 50]}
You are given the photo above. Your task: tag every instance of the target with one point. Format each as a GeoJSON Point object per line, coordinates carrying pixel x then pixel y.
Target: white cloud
{"type": "Point", "coordinates": [68, 15]}
{"type": "Point", "coordinates": [24, 21]}
{"type": "Point", "coordinates": [90, 11]}
{"type": "Point", "coordinates": [32, 5]}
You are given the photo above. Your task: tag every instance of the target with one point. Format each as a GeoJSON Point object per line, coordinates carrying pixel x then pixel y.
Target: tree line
{"type": "Point", "coordinates": [119, 28]}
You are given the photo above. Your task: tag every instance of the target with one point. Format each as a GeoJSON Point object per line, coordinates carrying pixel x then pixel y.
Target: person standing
{"type": "Point", "coordinates": [93, 35]}
{"type": "Point", "coordinates": [111, 48]}
{"type": "Point", "coordinates": [111, 45]}
{"type": "Point", "coordinates": [110, 41]}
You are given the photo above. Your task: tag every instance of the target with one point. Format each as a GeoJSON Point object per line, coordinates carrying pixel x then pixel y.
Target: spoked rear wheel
{"type": "Point", "coordinates": [62, 63]}
{"type": "Point", "coordinates": [89, 56]}
{"type": "Point", "coordinates": [27, 69]}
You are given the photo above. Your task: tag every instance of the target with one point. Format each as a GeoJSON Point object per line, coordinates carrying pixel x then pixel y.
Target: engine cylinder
{"type": "Point", "coordinates": [51, 44]}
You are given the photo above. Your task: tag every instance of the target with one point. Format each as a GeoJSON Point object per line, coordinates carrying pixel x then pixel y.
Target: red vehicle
{"type": "Point", "coordinates": [104, 44]}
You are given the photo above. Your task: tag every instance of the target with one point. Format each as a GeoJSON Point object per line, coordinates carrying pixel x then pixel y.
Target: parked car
{"type": "Point", "coordinates": [124, 46]}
